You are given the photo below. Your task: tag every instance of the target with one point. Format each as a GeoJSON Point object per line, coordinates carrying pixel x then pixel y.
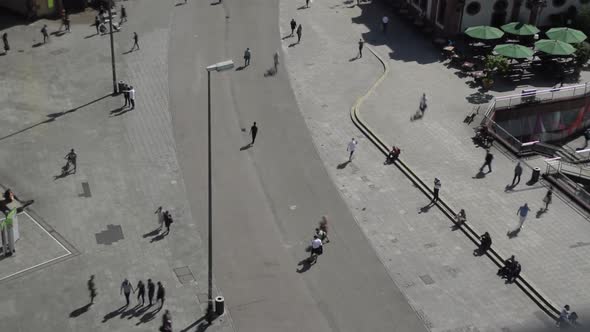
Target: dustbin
{"type": "Point", "coordinates": [219, 305]}
{"type": "Point", "coordinates": [536, 174]}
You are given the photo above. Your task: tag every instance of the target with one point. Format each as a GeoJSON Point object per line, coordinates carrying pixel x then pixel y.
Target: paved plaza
{"type": "Point", "coordinates": [392, 264]}
{"type": "Point", "coordinates": [431, 263]}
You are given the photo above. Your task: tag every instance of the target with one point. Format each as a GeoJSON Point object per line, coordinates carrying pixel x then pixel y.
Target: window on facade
{"type": "Point", "coordinates": [500, 6]}
{"type": "Point", "coordinates": [558, 3]}
{"type": "Point", "coordinates": [474, 7]}
{"type": "Point", "coordinates": [440, 13]}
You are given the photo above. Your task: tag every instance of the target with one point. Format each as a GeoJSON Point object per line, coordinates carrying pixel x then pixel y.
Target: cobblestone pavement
{"type": "Point", "coordinates": [434, 266]}
{"type": "Point", "coordinates": [56, 97]}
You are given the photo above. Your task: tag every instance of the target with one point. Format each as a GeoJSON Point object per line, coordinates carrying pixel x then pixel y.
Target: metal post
{"type": "Point", "coordinates": [210, 235]}
{"type": "Point", "coordinates": [112, 49]}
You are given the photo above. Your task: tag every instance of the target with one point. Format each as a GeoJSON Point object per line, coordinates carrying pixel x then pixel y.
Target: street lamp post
{"type": "Point", "coordinates": [112, 49]}
{"type": "Point", "coordinates": [220, 66]}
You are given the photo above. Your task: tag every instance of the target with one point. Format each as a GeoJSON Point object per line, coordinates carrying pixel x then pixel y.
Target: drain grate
{"type": "Point", "coordinates": [427, 279]}
{"type": "Point", "coordinates": [184, 274]}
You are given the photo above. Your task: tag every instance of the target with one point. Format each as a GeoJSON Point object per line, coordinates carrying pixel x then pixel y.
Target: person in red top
{"type": "Point", "coordinates": [393, 155]}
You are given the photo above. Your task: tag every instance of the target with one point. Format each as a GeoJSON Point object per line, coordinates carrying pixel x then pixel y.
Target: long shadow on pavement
{"type": "Point", "coordinates": [52, 117]}
{"type": "Point", "coordinates": [114, 313]}
{"type": "Point", "coordinates": [80, 310]}
{"type": "Point", "coordinates": [201, 325]}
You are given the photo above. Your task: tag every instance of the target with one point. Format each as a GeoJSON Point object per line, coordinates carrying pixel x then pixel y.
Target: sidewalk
{"type": "Point", "coordinates": [57, 97]}
{"type": "Point", "coordinates": [449, 287]}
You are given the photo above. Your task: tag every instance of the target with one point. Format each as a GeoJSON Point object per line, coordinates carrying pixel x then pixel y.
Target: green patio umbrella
{"type": "Point", "coordinates": [484, 32]}
{"type": "Point", "coordinates": [520, 29]}
{"type": "Point", "coordinates": [566, 35]}
{"type": "Point", "coordinates": [554, 47]}
{"type": "Point", "coordinates": [514, 51]}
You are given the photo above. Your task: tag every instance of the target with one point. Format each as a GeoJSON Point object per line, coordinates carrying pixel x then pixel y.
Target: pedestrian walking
{"type": "Point", "coordinates": [45, 34]}
{"type": "Point", "coordinates": [62, 17]}
{"type": "Point", "coordinates": [522, 213]}
{"type": "Point", "coordinates": [166, 322]}
{"type": "Point", "coordinates": [276, 61]}
{"type": "Point", "coordinates": [324, 228]}
{"type": "Point", "coordinates": [160, 217]}
{"type": "Point", "coordinates": [293, 26]}
{"type": "Point", "coordinates": [135, 42]}
{"type": "Point", "coordinates": [161, 294]}
{"type": "Point", "coordinates": [67, 23]}
{"type": "Point", "coordinates": [517, 174]}
{"type": "Point", "coordinates": [71, 160]}
{"type": "Point", "coordinates": [91, 289]}
{"type": "Point", "coordinates": [151, 290]}
{"type": "Point", "coordinates": [168, 221]}
{"type": "Point", "coordinates": [423, 104]}
{"type": "Point", "coordinates": [299, 32]}
{"type": "Point", "coordinates": [307, 3]}
{"type": "Point", "coordinates": [253, 132]}
{"type": "Point", "coordinates": [361, 44]}
{"type": "Point", "coordinates": [317, 249]}
{"type": "Point", "coordinates": [126, 95]}
{"type": "Point", "coordinates": [485, 244]}
{"type": "Point", "coordinates": [5, 41]}
{"type": "Point", "coordinates": [131, 93]}
{"type": "Point", "coordinates": [247, 55]}
{"type": "Point", "coordinates": [351, 148]}
{"type": "Point", "coordinates": [384, 23]}
{"type": "Point", "coordinates": [97, 24]}
{"type": "Point", "coordinates": [437, 186]}
{"type": "Point", "coordinates": [140, 292]}
{"type": "Point", "coordinates": [548, 198]}
{"type": "Point", "coordinates": [126, 288]}
{"type": "Point", "coordinates": [123, 15]}
{"type": "Point", "coordinates": [488, 161]}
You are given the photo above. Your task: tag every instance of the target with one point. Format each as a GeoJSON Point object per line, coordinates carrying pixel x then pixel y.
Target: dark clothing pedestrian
{"type": "Point", "coordinates": [135, 42]}
{"type": "Point", "coordinates": [361, 44]}
{"type": "Point", "coordinates": [253, 132]}
{"type": "Point", "coordinates": [247, 55]}
{"type": "Point", "coordinates": [5, 41]}
{"type": "Point", "coordinates": [166, 322]}
{"type": "Point", "coordinates": [488, 161]}
{"type": "Point", "coordinates": [72, 160]}
{"type": "Point", "coordinates": [140, 292]}
{"type": "Point", "coordinates": [548, 198]}
{"type": "Point", "coordinates": [161, 294]}
{"type": "Point", "coordinates": [299, 32]}
{"type": "Point", "coordinates": [293, 26]}
{"type": "Point", "coordinates": [45, 33]}
{"type": "Point", "coordinates": [97, 24]}
{"type": "Point", "coordinates": [91, 289]}
{"type": "Point", "coordinates": [486, 243]}
{"type": "Point", "coordinates": [437, 186]}
{"type": "Point", "coordinates": [151, 290]}
{"type": "Point", "coordinates": [307, 3]}
{"type": "Point", "coordinates": [126, 95]}
{"type": "Point", "coordinates": [123, 15]}
{"type": "Point", "coordinates": [67, 23]}
{"type": "Point", "coordinates": [276, 61]}
{"type": "Point", "coordinates": [517, 174]}
{"type": "Point", "coordinates": [168, 221]}
{"type": "Point", "coordinates": [384, 23]}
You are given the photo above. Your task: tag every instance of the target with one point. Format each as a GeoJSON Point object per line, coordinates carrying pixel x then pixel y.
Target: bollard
{"type": "Point", "coordinates": [219, 305]}
{"type": "Point", "coordinates": [535, 175]}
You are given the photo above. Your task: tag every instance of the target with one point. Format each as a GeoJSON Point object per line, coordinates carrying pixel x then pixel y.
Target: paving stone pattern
{"type": "Point", "coordinates": [451, 289]}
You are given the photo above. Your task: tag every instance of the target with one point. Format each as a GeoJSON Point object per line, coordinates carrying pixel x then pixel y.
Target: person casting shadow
{"type": "Point", "coordinates": [484, 246]}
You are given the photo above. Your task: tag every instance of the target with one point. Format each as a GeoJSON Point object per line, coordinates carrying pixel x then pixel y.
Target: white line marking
{"type": "Point", "coordinates": [48, 261]}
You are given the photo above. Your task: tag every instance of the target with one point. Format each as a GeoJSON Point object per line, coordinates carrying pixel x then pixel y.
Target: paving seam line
{"type": "Point", "coordinates": [527, 287]}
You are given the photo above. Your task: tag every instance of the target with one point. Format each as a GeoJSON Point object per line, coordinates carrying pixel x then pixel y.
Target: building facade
{"type": "Point", "coordinates": [42, 8]}
{"type": "Point", "coordinates": [454, 16]}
